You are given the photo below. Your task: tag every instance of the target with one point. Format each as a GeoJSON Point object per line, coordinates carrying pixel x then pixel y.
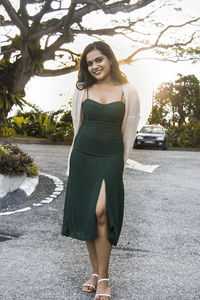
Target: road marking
{"type": "Point", "coordinates": [59, 187]}
{"type": "Point", "coordinates": [15, 211]}
{"type": "Point", "coordinates": [132, 164]}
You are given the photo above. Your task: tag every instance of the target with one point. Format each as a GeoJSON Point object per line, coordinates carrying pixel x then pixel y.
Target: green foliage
{"type": "Point", "coordinates": [63, 133]}
{"type": "Point", "coordinates": [55, 126]}
{"type": "Point", "coordinates": [6, 131]}
{"type": "Point", "coordinates": [187, 135]}
{"type": "Point", "coordinates": [177, 107]}
{"type": "Point", "coordinates": [13, 161]}
{"type": "Point", "coordinates": [176, 103]}
{"type": "Point", "coordinates": [16, 42]}
{"type": "Point", "coordinates": [196, 135]}
{"type": "Point", "coordinates": [21, 124]}
{"type": "Point", "coordinates": [35, 60]}
{"type": "Point", "coordinates": [31, 127]}
{"type": "Point", "coordinates": [8, 98]}
{"type": "Point", "coordinates": [31, 170]}
{"type": "Point", "coordinates": [46, 124]}
{"type": "Point", "coordinates": [172, 137]}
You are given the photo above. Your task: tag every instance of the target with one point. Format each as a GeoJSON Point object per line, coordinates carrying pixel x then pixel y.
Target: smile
{"type": "Point", "coordinates": [97, 72]}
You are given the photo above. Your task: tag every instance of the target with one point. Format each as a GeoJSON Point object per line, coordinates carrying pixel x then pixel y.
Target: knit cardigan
{"type": "Point", "coordinates": [129, 123]}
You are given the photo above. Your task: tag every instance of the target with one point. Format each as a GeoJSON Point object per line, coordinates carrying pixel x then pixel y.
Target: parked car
{"type": "Point", "coordinates": [151, 136]}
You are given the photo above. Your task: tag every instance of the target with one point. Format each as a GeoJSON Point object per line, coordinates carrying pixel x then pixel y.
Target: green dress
{"type": "Point", "coordinates": [97, 154]}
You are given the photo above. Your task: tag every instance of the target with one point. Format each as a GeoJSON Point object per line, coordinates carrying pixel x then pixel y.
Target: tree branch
{"type": "Point", "coordinates": [66, 36]}
{"type": "Point", "coordinates": [174, 26]}
{"type": "Point", "coordinates": [39, 16]}
{"type": "Point", "coordinates": [13, 15]}
{"type": "Point", "coordinates": [70, 52]}
{"type": "Point", "coordinates": [63, 71]}
{"type": "Point", "coordinates": [128, 60]}
{"type": "Point", "coordinates": [173, 59]}
{"type": "Point", "coordinates": [51, 27]}
{"type": "Point", "coordinates": [23, 12]}
{"type": "Point", "coordinates": [114, 8]}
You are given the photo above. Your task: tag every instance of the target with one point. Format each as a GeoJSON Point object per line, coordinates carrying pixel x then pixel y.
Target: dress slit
{"type": "Point", "coordinates": [108, 210]}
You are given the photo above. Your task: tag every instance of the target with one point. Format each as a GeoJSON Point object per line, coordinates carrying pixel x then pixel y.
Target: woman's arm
{"type": "Point", "coordinates": [77, 118]}
{"type": "Point", "coordinates": [132, 116]}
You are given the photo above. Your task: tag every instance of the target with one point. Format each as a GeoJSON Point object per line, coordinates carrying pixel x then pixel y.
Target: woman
{"type": "Point", "coordinates": [105, 112]}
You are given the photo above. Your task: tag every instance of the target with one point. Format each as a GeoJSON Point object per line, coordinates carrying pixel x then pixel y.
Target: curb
{"type": "Point", "coordinates": [27, 187]}
{"type": "Point", "coordinates": [59, 187]}
{"type": "Point", "coordinates": [31, 141]}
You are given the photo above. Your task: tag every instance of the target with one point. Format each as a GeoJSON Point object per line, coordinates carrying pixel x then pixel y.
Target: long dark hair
{"type": "Point", "coordinates": [85, 79]}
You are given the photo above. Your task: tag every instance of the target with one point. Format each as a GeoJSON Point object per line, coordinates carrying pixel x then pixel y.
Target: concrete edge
{"type": "Point", "coordinates": [10, 183]}
{"type": "Point", "coordinates": [59, 187]}
{"type": "Point", "coordinates": [27, 187]}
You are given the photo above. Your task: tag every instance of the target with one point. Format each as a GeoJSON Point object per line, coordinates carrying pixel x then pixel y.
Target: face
{"type": "Point", "coordinates": [98, 65]}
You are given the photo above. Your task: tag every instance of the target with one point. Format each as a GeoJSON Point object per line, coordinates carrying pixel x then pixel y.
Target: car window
{"type": "Point", "coordinates": [152, 129]}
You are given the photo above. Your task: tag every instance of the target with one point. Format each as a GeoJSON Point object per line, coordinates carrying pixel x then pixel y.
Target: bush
{"type": "Point", "coordinates": [55, 126]}
{"type": "Point", "coordinates": [63, 133]}
{"type": "Point", "coordinates": [13, 161]}
{"type": "Point", "coordinates": [186, 135]}
{"type": "Point", "coordinates": [196, 134]}
{"type": "Point", "coordinates": [31, 170]}
{"type": "Point", "coordinates": [7, 131]}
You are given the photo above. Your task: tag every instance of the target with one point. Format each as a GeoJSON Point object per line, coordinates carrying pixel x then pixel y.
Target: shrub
{"type": "Point", "coordinates": [13, 161]}
{"type": "Point", "coordinates": [62, 132]}
{"type": "Point", "coordinates": [31, 170]}
{"type": "Point", "coordinates": [20, 124]}
{"type": "Point", "coordinates": [7, 131]}
{"type": "Point", "coordinates": [196, 134]}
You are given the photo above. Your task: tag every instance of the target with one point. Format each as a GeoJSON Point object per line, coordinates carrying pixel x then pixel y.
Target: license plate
{"type": "Point", "coordinates": [150, 142]}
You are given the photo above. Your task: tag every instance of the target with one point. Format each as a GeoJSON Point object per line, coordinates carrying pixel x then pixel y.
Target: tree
{"type": "Point", "coordinates": [187, 98]}
{"type": "Point", "coordinates": [39, 31]}
{"type": "Point", "coordinates": [176, 103]}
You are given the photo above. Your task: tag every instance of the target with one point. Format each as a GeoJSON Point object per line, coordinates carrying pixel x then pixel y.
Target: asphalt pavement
{"type": "Point", "coordinates": [158, 253]}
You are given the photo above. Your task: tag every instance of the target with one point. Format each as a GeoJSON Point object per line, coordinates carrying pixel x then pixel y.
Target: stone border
{"type": "Point", "coordinates": [58, 190]}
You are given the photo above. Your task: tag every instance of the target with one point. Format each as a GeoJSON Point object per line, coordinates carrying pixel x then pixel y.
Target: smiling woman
{"type": "Point", "coordinates": [98, 65]}
{"type": "Point", "coordinates": [105, 111]}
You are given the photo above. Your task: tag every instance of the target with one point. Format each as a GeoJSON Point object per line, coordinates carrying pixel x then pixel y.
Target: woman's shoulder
{"type": "Point", "coordinates": [78, 90]}
{"type": "Point", "coordinates": [132, 98]}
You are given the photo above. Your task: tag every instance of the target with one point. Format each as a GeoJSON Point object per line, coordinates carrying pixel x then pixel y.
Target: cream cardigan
{"type": "Point", "coordinates": [129, 123]}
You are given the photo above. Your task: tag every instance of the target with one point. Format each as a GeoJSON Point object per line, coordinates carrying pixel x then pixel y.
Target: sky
{"type": "Point", "coordinates": [52, 93]}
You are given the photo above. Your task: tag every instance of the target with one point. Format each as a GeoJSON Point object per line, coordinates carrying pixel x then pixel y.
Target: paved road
{"type": "Point", "coordinates": [158, 254]}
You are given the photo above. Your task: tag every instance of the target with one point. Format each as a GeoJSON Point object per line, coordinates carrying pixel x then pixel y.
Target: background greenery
{"type": "Point", "coordinates": [176, 106]}
{"type": "Point", "coordinates": [55, 126]}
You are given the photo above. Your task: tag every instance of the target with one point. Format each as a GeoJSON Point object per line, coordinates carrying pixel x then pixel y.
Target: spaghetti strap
{"type": "Point", "coordinates": [87, 93]}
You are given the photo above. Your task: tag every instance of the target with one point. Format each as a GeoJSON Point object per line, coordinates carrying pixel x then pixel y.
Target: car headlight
{"type": "Point", "coordinates": [160, 138]}
{"type": "Point", "coordinates": [140, 137]}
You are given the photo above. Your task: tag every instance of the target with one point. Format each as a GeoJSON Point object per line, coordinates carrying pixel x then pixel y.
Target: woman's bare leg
{"type": "Point", "coordinates": [93, 258]}
{"type": "Point", "coordinates": [93, 255]}
{"type": "Point", "coordinates": [102, 244]}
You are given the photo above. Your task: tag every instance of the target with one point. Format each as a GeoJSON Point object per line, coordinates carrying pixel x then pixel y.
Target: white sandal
{"type": "Point", "coordinates": [90, 285]}
{"type": "Point", "coordinates": [103, 295]}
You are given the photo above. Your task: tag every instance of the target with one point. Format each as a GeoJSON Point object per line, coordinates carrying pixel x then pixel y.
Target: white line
{"type": "Point", "coordinates": [46, 201]}
{"type": "Point", "coordinates": [132, 164]}
{"type": "Point", "coordinates": [6, 213]}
